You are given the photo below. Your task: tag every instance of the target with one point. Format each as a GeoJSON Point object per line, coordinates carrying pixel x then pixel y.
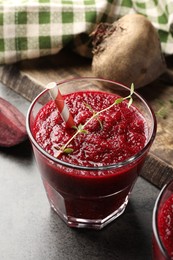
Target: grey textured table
{"type": "Point", "coordinates": [30, 230]}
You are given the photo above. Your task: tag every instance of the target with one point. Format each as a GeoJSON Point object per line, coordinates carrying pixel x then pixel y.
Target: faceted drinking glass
{"type": "Point", "coordinates": [163, 211]}
{"type": "Point", "coordinates": [89, 197]}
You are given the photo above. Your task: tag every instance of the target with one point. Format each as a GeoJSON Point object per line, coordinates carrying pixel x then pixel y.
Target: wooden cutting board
{"type": "Point", "coordinates": [28, 78]}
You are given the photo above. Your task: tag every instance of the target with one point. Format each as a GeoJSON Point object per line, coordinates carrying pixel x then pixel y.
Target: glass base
{"type": "Point", "coordinates": [93, 213]}
{"type": "Point", "coordinates": [90, 223]}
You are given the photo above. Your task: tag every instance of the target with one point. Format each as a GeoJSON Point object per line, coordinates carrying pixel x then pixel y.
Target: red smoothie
{"type": "Point", "coordinates": [165, 225]}
{"type": "Point", "coordinates": [115, 136]}
{"type": "Point", "coordinates": [90, 185]}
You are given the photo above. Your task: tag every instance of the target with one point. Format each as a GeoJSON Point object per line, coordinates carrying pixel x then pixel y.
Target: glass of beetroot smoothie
{"type": "Point", "coordinates": [163, 224]}
{"type": "Point", "coordinates": [88, 184]}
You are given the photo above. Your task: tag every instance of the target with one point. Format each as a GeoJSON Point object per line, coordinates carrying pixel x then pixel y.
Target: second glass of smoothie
{"type": "Point", "coordinates": [163, 224]}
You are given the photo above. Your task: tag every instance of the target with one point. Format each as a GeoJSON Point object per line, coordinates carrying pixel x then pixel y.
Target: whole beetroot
{"type": "Point", "coordinates": [12, 125]}
{"type": "Point", "coordinates": [128, 51]}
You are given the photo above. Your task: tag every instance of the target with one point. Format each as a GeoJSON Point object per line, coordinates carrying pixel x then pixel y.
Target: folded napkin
{"type": "Point", "coordinates": [35, 28]}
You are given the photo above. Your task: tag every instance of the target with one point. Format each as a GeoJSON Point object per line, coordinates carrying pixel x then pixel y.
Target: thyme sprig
{"type": "Point", "coordinates": [81, 128]}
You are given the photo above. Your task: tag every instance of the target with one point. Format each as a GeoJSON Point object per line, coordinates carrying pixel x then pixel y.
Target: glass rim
{"type": "Point", "coordinates": [155, 222]}
{"type": "Point", "coordinates": [93, 168]}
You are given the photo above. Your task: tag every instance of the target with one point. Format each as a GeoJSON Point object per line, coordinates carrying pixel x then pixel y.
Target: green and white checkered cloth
{"type": "Point", "coordinates": [35, 28]}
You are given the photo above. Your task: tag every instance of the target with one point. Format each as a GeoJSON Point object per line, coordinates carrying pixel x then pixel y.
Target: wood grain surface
{"type": "Point", "coordinates": [28, 78]}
